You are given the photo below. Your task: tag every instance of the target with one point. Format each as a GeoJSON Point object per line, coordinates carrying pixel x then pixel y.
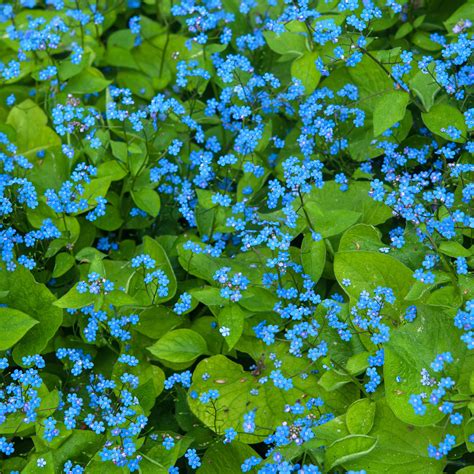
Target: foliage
{"type": "Point", "coordinates": [236, 236]}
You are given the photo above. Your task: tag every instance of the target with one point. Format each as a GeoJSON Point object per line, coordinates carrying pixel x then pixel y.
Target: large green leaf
{"type": "Point", "coordinates": [400, 448]}
{"type": "Point", "coordinates": [304, 69]}
{"type": "Point", "coordinates": [330, 198]}
{"type": "Point", "coordinates": [368, 270]}
{"type": "Point", "coordinates": [348, 449]}
{"type": "Point", "coordinates": [30, 124]}
{"type": "Point", "coordinates": [360, 416]}
{"type": "Point", "coordinates": [442, 116]}
{"type": "Point", "coordinates": [225, 458]}
{"type": "Point", "coordinates": [235, 398]}
{"type": "Point", "coordinates": [180, 345]}
{"type": "Point", "coordinates": [287, 43]}
{"type": "Point", "coordinates": [88, 81]}
{"type": "Point", "coordinates": [34, 299]}
{"type": "Point", "coordinates": [232, 317]}
{"type": "Point", "coordinates": [146, 294]}
{"type": "Point", "coordinates": [425, 87]}
{"type": "Point", "coordinates": [14, 325]}
{"type": "Point", "coordinates": [313, 257]}
{"type": "Point", "coordinates": [389, 110]}
{"type": "Point", "coordinates": [147, 200]}
{"type": "Point", "coordinates": [413, 348]}
{"type": "Point", "coordinates": [327, 222]}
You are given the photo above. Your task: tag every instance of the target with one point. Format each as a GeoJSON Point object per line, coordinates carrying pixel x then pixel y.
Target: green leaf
{"type": "Point", "coordinates": [180, 345]}
{"type": "Point", "coordinates": [466, 470]}
{"type": "Point", "coordinates": [348, 449]}
{"type": "Point", "coordinates": [95, 188]}
{"type": "Point", "coordinates": [454, 249]}
{"type": "Point", "coordinates": [208, 295]}
{"type": "Point", "coordinates": [360, 416]}
{"type": "Point", "coordinates": [119, 298]}
{"type": "Point", "coordinates": [33, 468]}
{"type": "Point", "coordinates": [257, 300]}
{"type": "Point", "coordinates": [304, 69]}
{"type": "Point", "coordinates": [112, 169]}
{"type": "Point", "coordinates": [330, 198]}
{"type": "Point", "coordinates": [442, 116]}
{"type": "Point", "coordinates": [158, 459]}
{"type": "Point", "coordinates": [146, 294]}
{"type": "Point", "coordinates": [89, 81]}
{"type": "Point", "coordinates": [468, 432]}
{"type": "Point", "coordinates": [225, 458]}
{"type": "Point", "coordinates": [147, 200]}
{"type": "Point", "coordinates": [400, 448]}
{"type": "Point", "coordinates": [286, 43]}
{"type": "Point", "coordinates": [232, 317]}
{"type": "Point", "coordinates": [389, 110]}
{"type": "Point", "coordinates": [368, 270]}
{"type": "Point", "coordinates": [463, 13]}
{"type": "Point", "coordinates": [313, 257]}
{"type": "Point", "coordinates": [425, 87]}
{"type": "Point", "coordinates": [422, 40]}
{"type": "Point", "coordinates": [157, 321]}
{"type": "Point", "coordinates": [371, 80]}
{"type": "Point", "coordinates": [404, 30]}
{"type": "Point", "coordinates": [14, 325]}
{"type": "Point", "coordinates": [413, 348]}
{"type": "Point", "coordinates": [330, 222]}
{"type": "Point", "coordinates": [34, 299]}
{"type": "Point", "coordinates": [63, 263]}
{"type": "Point", "coordinates": [15, 422]}
{"type": "Point", "coordinates": [361, 237]}
{"type": "Point", "coordinates": [235, 397]}
{"type": "Point", "coordinates": [32, 134]}
{"type": "Point", "coordinates": [332, 380]}
{"type": "Point", "coordinates": [75, 300]}
{"type": "Point", "coordinates": [357, 363]}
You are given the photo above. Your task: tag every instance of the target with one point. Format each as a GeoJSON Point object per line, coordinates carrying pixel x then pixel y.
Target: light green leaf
{"type": "Point", "coordinates": [368, 270]}
{"type": "Point", "coordinates": [32, 134]}
{"type": "Point", "coordinates": [330, 198]}
{"type": "Point", "coordinates": [304, 69]}
{"type": "Point", "coordinates": [442, 116]}
{"type": "Point", "coordinates": [14, 325]}
{"type": "Point", "coordinates": [360, 416]}
{"type": "Point", "coordinates": [88, 81]}
{"type": "Point", "coordinates": [463, 13]}
{"type": "Point", "coordinates": [389, 110]}
{"type": "Point", "coordinates": [425, 87]}
{"type": "Point", "coordinates": [454, 249]}
{"type": "Point", "coordinates": [34, 299]}
{"type": "Point", "coordinates": [313, 257]}
{"type": "Point", "coordinates": [180, 345]}
{"type": "Point", "coordinates": [413, 348]}
{"type": "Point", "coordinates": [64, 262]}
{"type": "Point", "coordinates": [147, 294]}
{"type": "Point", "coordinates": [147, 200]}
{"type": "Point", "coordinates": [75, 300]}
{"type": "Point", "coordinates": [330, 222]}
{"type": "Point", "coordinates": [348, 449]}
{"type": "Point", "coordinates": [232, 317]}
{"type": "Point", "coordinates": [225, 458]}
{"type": "Point", "coordinates": [235, 398]}
{"type": "Point", "coordinates": [361, 237]}
{"type": "Point", "coordinates": [400, 448]}
{"type": "Point", "coordinates": [286, 43]}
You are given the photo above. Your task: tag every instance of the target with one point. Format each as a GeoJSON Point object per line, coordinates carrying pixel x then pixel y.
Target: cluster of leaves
{"type": "Point", "coordinates": [236, 236]}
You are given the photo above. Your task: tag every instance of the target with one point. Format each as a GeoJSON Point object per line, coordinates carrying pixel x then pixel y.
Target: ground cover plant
{"type": "Point", "coordinates": [236, 236]}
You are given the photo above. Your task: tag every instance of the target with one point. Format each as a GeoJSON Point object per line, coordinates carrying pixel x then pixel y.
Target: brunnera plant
{"type": "Point", "coordinates": [236, 236]}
